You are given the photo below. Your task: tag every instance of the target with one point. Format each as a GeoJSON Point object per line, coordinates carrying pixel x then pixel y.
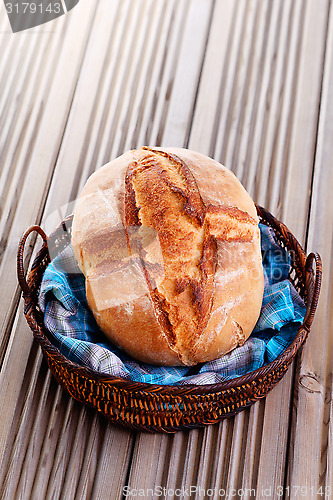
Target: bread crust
{"type": "Point", "coordinates": [168, 240]}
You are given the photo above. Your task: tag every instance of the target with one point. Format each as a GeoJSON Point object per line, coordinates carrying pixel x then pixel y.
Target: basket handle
{"type": "Point", "coordinates": [20, 267]}
{"type": "Point", "coordinates": [312, 286]}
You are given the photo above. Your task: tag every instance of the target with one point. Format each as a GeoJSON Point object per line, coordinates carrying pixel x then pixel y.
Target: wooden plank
{"type": "Point", "coordinates": [237, 452]}
{"type": "Point", "coordinates": [87, 117]}
{"type": "Point", "coordinates": [27, 446]}
{"type": "Point", "coordinates": [246, 47]}
{"type": "Point", "coordinates": [302, 144]}
{"type": "Point", "coordinates": [299, 173]}
{"type": "Point", "coordinates": [217, 56]}
{"type": "Point", "coordinates": [83, 136]}
{"type": "Point", "coordinates": [60, 479]}
{"type": "Point", "coordinates": [149, 468]}
{"type": "Point", "coordinates": [183, 83]}
{"type": "Point", "coordinates": [260, 120]}
{"type": "Point", "coordinates": [139, 63]}
{"type": "Point", "coordinates": [162, 79]}
{"type": "Point", "coordinates": [47, 457]}
{"type": "Point", "coordinates": [310, 454]}
{"type": "Point", "coordinates": [148, 464]}
{"type": "Point", "coordinates": [49, 108]}
{"type": "Point", "coordinates": [191, 467]}
{"type": "Point", "coordinates": [11, 389]}
{"type": "Point", "coordinates": [19, 91]}
{"type": "Point", "coordinates": [154, 68]}
{"type": "Point", "coordinates": [255, 81]}
{"type": "Point", "coordinates": [99, 105]}
{"type": "Point", "coordinates": [329, 456]}
{"type": "Point", "coordinates": [39, 419]}
{"type": "Point", "coordinates": [176, 463]}
{"type": "Point", "coordinates": [252, 450]}
{"type": "Point", "coordinates": [285, 35]}
{"type": "Point", "coordinates": [207, 472]}
{"type": "Point", "coordinates": [81, 465]}
{"type": "Point", "coordinates": [36, 156]}
{"type": "Point", "coordinates": [114, 480]}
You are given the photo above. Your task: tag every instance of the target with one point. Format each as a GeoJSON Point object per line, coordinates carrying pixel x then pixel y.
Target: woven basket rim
{"type": "Point", "coordinates": [254, 376]}
{"type": "Point", "coordinates": [134, 386]}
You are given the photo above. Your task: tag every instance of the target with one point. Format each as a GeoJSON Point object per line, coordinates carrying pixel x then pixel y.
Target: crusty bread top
{"type": "Point", "coordinates": [172, 215]}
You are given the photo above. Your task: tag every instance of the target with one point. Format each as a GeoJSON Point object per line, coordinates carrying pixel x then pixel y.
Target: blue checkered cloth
{"type": "Point", "coordinates": [73, 330]}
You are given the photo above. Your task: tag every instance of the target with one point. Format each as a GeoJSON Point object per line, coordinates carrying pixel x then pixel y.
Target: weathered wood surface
{"type": "Point", "coordinates": [246, 82]}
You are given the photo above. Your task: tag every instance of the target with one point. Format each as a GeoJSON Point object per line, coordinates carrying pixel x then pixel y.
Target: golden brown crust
{"type": "Point", "coordinates": [167, 199]}
{"type": "Point", "coordinates": [184, 183]}
{"type": "Point", "coordinates": [197, 272]}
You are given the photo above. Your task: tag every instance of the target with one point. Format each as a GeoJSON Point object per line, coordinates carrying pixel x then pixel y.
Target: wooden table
{"type": "Point", "coordinates": [248, 82]}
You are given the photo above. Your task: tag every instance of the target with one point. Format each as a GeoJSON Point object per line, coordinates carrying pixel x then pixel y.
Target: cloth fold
{"type": "Point", "coordinates": [73, 330]}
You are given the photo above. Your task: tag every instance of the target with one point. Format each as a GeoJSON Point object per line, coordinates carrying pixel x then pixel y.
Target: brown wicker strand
{"type": "Point", "coordinates": [158, 408]}
{"type": "Point", "coordinates": [20, 266]}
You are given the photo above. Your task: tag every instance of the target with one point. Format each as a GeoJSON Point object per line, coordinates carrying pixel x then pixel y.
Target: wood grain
{"type": "Point", "coordinates": [35, 158]}
{"type": "Point", "coordinates": [250, 132]}
{"type": "Point", "coordinates": [310, 451]}
{"type": "Point", "coordinates": [248, 83]}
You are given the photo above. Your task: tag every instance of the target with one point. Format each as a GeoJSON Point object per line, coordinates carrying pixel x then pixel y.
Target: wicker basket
{"type": "Point", "coordinates": [166, 408]}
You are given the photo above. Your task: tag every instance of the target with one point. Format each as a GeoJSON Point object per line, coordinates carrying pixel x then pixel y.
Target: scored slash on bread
{"type": "Point", "coordinates": [174, 273]}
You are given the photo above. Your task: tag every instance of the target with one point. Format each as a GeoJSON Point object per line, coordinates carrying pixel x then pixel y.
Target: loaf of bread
{"type": "Point", "coordinates": [169, 243]}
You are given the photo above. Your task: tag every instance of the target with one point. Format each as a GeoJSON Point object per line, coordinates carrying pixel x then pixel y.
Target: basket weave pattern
{"type": "Point", "coordinates": [166, 408]}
